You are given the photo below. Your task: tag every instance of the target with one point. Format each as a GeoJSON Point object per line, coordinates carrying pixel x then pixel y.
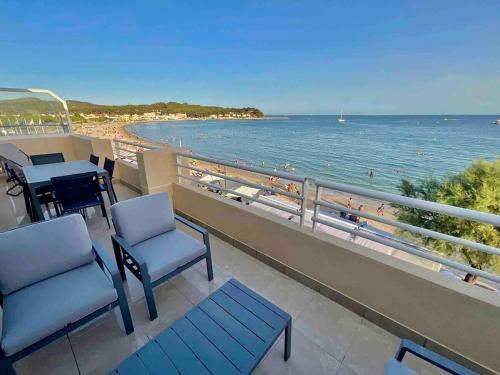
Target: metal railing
{"type": "Point", "coordinates": [62, 126]}
{"type": "Point", "coordinates": [300, 196]}
{"type": "Point", "coordinates": [401, 243]}
{"type": "Point", "coordinates": [407, 245]}
{"type": "Point", "coordinates": [127, 151]}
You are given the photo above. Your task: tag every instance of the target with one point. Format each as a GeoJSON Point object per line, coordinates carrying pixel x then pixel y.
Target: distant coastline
{"type": "Point", "coordinates": [117, 129]}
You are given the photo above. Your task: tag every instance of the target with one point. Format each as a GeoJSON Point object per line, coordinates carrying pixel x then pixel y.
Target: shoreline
{"type": "Point", "coordinates": [119, 130]}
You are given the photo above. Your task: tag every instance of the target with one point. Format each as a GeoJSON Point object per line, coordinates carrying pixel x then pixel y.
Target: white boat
{"type": "Point", "coordinates": [341, 118]}
{"type": "Point", "coordinates": [497, 122]}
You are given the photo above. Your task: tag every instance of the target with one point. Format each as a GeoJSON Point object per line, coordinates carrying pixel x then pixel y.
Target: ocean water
{"type": "Point", "coordinates": [414, 147]}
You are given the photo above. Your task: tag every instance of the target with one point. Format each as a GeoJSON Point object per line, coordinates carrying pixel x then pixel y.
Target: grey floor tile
{"type": "Point", "coordinates": [55, 359]}
{"type": "Point", "coordinates": [346, 370]}
{"type": "Point", "coordinates": [288, 294]}
{"type": "Point", "coordinates": [194, 285]}
{"type": "Point", "coordinates": [103, 345]}
{"type": "Point", "coordinates": [370, 349]}
{"type": "Point", "coordinates": [307, 358]}
{"type": "Point", "coordinates": [328, 324]}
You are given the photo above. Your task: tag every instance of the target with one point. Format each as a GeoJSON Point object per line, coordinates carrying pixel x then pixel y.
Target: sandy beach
{"type": "Point", "coordinates": [118, 130]}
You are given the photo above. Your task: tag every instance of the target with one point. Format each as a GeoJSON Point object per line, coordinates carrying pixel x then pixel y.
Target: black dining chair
{"type": "Point", "coordinates": [77, 192]}
{"type": "Point", "coordinates": [94, 159]}
{"type": "Point", "coordinates": [109, 166]}
{"type": "Point", "coordinates": [12, 190]}
{"type": "Point", "coordinates": [44, 195]}
{"type": "Point", "coordinates": [40, 159]}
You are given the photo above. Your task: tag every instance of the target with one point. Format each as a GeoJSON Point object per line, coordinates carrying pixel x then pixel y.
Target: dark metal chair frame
{"type": "Point", "coordinates": [109, 166]}
{"type": "Point", "coordinates": [44, 195]}
{"type": "Point", "coordinates": [445, 364]}
{"type": "Point", "coordinates": [106, 264]}
{"type": "Point", "coordinates": [40, 159]}
{"type": "Point", "coordinates": [126, 256]}
{"type": "Point", "coordinates": [12, 178]}
{"type": "Point", "coordinates": [95, 192]}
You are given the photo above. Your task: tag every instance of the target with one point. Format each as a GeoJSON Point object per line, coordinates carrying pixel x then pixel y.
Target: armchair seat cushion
{"type": "Point", "coordinates": [169, 251]}
{"type": "Point", "coordinates": [39, 310]}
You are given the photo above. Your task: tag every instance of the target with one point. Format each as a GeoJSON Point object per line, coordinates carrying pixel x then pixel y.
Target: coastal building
{"type": "Point", "coordinates": [351, 305]}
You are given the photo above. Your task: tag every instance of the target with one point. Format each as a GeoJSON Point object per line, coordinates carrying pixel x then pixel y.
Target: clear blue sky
{"type": "Point", "coordinates": [285, 57]}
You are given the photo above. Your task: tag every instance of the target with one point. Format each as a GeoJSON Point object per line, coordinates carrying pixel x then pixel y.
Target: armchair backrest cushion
{"type": "Point", "coordinates": [139, 219]}
{"type": "Point", "coordinates": [39, 251]}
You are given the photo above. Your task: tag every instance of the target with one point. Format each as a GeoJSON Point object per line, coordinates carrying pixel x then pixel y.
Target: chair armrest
{"type": "Point", "coordinates": [192, 225]}
{"type": "Point", "coordinates": [104, 258]}
{"type": "Point", "coordinates": [128, 249]}
{"type": "Point", "coordinates": [431, 357]}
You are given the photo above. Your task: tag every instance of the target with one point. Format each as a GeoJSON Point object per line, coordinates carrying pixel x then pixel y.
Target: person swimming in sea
{"type": "Point", "coordinates": [372, 173]}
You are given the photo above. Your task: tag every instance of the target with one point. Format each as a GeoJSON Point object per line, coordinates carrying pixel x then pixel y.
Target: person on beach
{"type": "Point", "coordinates": [360, 209]}
{"type": "Point", "coordinates": [380, 210]}
{"type": "Point", "coordinates": [349, 203]}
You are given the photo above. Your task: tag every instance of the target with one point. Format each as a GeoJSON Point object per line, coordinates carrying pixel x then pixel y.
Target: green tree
{"type": "Point", "coordinates": [476, 188]}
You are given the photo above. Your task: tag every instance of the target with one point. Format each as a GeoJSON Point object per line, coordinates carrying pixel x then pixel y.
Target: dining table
{"type": "Point", "coordinates": [40, 175]}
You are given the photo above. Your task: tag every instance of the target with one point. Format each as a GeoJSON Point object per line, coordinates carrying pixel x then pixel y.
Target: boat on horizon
{"type": "Point", "coordinates": [341, 118]}
{"type": "Point", "coordinates": [497, 122]}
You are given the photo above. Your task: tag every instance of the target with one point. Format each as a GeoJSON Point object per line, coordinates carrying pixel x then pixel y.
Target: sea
{"type": "Point", "coordinates": [393, 147]}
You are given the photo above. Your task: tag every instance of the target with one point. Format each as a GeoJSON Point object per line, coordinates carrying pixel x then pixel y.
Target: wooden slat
{"type": "Point", "coordinates": [247, 318]}
{"type": "Point", "coordinates": [263, 312]}
{"type": "Point", "coordinates": [232, 349]}
{"type": "Point", "coordinates": [155, 360]}
{"type": "Point", "coordinates": [261, 299]}
{"type": "Point", "coordinates": [211, 357]}
{"type": "Point", "coordinates": [132, 366]}
{"type": "Point", "coordinates": [180, 354]}
{"type": "Point", "coordinates": [240, 333]}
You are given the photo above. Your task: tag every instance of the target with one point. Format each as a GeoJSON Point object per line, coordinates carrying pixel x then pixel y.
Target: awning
{"type": "Point", "coordinates": [208, 179]}
{"type": "Point", "coordinates": [246, 190]}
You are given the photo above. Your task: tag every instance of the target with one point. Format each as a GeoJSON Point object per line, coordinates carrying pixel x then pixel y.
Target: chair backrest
{"type": "Point", "coordinates": [57, 157]}
{"type": "Point", "coordinates": [76, 188]}
{"type": "Point", "coordinates": [109, 165]}
{"type": "Point", "coordinates": [94, 159]}
{"type": "Point", "coordinates": [39, 251]}
{"type": "Point", "coordinates": [142, 218]}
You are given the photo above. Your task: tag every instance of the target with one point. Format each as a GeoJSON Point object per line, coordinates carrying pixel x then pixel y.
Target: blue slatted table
{"type": "Point", "coordinates": [227, 333]}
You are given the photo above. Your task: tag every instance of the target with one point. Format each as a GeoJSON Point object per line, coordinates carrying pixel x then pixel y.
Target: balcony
{"type": "Point", "coordinates": [351, 305]}
{"type": "Point", "coordinates": [328, 338]}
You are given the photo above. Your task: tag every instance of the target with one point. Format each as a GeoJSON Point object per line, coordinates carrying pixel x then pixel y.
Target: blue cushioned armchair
{"type": "Point", "coordinates": [149, 245]}
{"type": "Point", "coordinates": [53, 280]}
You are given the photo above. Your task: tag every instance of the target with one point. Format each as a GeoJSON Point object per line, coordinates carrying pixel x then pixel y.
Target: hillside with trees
{"type": "Point", "coordinates": [191, 110]}
{"type": "Point", "coordinates": [36, 106]}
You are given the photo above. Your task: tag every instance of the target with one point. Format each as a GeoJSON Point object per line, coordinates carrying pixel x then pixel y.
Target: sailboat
{"type": "Point", "coordinates": [341, 118]}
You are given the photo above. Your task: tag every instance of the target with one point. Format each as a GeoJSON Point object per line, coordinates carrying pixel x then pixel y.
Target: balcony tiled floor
{"type": "Point", "coordinates": [326, 339]}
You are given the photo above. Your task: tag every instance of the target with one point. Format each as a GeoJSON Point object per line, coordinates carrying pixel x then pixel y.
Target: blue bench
{"type": "Point", "coordinates": [227, 333]}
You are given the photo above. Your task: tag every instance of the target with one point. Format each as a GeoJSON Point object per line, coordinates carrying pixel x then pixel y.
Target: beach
{"type": "Point", "coordinates": [119, 130]}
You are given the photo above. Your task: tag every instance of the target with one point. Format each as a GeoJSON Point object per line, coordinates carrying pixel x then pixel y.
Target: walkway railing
{"type": "Point", "coordinates": [25, 119]}
{"type": "Point", "coordinates": [199, 167]}
{"type": "Point", "coordinates": [127, 151]}
{"type": "Point", "coordinates": [298, 194]}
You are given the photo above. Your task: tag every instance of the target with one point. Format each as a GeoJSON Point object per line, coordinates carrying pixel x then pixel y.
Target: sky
{"type": "Point", "coordinates": [284, 57]}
